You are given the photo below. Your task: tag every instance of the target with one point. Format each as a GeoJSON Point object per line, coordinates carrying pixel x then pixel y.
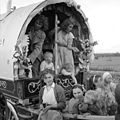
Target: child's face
{"type": "Point", "coordinates": [69, 68]}
{"type": "Point", "coordinates": [108, 79]}
{"type": "Point", "coordinates": [98, 83]}
{"type": "Point", "coordinates": [49, 58]}
{"type": "Point", "coordinates": [77, 92]}
{"type": "Point", "coordinates": [69, 28]}
{"type": "Point", "coordinates": [88, 99]}
{"type": "Point", "coordinates": [48, 79]}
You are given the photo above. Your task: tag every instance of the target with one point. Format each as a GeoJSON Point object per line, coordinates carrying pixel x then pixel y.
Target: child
{"type": "Point", "coordinates": [90, 104]}
{"type": "Point", "coordinates": [68, 70]}
{"type": "Point", "coordinates": [47, 63]}
{"type": "Point", "coordinates": [109, 92]}
{"type": "Point", "coordinates": [77, 98]}
{"type": "Point", "coordinates": [51, 98]}
{"type": "Point", "coordinates": [108, 82]}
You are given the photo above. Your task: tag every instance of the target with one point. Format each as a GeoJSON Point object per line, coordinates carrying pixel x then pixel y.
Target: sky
{"type": "Point", "coordinates": [103, 17]}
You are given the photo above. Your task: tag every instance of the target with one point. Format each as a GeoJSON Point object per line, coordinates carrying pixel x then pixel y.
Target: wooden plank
{"type": "Point", "coordinates": [90, 117]}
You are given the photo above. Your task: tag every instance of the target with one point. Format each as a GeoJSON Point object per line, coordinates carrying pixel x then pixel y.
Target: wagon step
{"type": "Point", "coordinates": [25, 117]}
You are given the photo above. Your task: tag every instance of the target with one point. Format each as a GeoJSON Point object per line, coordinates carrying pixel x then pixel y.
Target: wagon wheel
{"type": "Point", "coordinates": [10, 115]}
{"type": "Point", "coordinates": [2, 106]}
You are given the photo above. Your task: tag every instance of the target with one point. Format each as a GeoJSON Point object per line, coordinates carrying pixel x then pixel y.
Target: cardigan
{"type": "Point", "coordinates": [59, 95]}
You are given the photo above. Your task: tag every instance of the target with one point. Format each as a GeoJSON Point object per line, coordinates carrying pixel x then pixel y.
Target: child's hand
{"type": "Point", "coordinates": [83, 107]}
{"type": "Point", "coordinates": [86, 114]}
{"type": "Point", "coordinates": [75, 49]}
{"type": "Point", "coordinates": [41, 107]}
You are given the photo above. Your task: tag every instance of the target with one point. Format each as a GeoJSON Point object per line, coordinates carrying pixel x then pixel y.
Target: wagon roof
{"type": "Point", "coordinates": [13, 22]}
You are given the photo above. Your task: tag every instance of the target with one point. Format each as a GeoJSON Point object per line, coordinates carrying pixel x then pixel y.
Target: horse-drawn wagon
{"type": "Point", "coordinates": [21, 91]}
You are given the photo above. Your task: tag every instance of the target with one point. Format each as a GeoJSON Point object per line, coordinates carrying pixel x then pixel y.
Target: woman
{"type": "Point", "coordinates": [64, 41]}
{"type": "Point", "coordinates": [51, 97]}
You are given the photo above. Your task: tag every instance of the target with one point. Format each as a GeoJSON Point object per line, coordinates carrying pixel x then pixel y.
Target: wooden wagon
{"type": "Point", "coordinates": [21, 93]}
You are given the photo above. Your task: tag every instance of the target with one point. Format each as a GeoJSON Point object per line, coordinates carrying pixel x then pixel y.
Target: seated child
{"type": "Point", "coordinates": [77, 98]}
{"type": "Point", "coordinates": [108, 82]}
{"type": "Point", "coordinates": [105, 96]}
{"type": "Point", "coordinates": [47, 63]}
{"type": "Point", "coordinates": [68, 70]}
{"type": "Point", "coordinates": [51, 98]}
{"type": "Point", "coordinates": [90, 104]}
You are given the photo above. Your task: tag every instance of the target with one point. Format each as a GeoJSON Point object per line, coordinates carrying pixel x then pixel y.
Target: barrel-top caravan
{"type": "Point", "coordinates": [21, 90]}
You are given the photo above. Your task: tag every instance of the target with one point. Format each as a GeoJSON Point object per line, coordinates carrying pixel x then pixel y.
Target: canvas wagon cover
{"type": "Point", "coordinates": [12, 28]}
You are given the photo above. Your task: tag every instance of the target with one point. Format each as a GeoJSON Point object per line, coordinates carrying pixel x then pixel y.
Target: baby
{"type": "Point", "coordinates": [48, 62]}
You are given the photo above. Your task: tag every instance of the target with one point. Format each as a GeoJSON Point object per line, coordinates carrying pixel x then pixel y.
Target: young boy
{"type": "Point", "coordinates": [47, 63]}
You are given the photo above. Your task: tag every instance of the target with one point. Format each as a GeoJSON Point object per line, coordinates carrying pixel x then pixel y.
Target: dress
{"type": "Point", "coordinates": [64, 53]}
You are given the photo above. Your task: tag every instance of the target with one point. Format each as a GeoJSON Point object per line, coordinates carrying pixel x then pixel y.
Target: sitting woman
{"type": "Point", "coordinates": [51, 97]}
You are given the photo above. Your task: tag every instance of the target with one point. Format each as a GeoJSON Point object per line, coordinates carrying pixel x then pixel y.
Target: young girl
{"type": "Point", "coordinates": [77, 98]}
{"type": "Point", "coordinates": [47, 63]}
{"type": "Point", "coordinates": [51, 98]}
{"type": "Point", "coordinates": [67, 69]}
{"type": "Point", "coordinates": [108, 82]}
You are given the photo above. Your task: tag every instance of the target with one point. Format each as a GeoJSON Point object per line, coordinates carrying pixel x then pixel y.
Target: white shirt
{"type": "Point", "coordinates": [49, 96]}
{"type": "Point", "coordinates": [44, 65]}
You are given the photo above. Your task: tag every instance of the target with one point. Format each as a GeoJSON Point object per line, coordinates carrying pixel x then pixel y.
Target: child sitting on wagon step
{"type": "Point", "coordinates": [47, 63]}
{"type": "Point", "coordinates": [51, 98]}
{"type": "Point", "coordinates": [67, 69]}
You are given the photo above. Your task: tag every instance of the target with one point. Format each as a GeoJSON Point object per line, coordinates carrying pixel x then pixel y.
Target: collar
{"type": "Point", "coordinates": [52, 86]}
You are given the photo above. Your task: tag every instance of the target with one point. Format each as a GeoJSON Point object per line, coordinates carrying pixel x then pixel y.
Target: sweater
{"type": "Point", "coordinates": [59, 95]}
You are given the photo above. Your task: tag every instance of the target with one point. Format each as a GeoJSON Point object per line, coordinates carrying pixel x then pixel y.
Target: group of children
{"type": "Point", "coordinates": [47, 63]}
{"type": "Point", "coordinates": [99, 100]}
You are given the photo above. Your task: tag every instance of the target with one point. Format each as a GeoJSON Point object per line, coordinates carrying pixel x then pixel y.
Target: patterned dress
{"type": "Point", "coordinates": [64, 53]}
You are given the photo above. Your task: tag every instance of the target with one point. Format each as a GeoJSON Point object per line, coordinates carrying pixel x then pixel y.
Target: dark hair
{"type": "Point", "coordinates": [44, 20]}
{"type": "Point", "coordinates": [65, 24]}
{"type": "Point", "coordinates": [46, 71]}
{"type": "Point", "coordinates": [93, 79]}
{"type": "Point", "coordinates": [76, 86]}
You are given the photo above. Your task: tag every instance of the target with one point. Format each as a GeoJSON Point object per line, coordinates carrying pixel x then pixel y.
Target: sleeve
{"type": "Point", "coordinates": [40, 95]}
{"type": "Point", "coordinates": [61, 100]}
{"type": "Point", "coordinates": [70, 39]}
{"type": "Point", "coordinates": [53, 68]}
{"type": "Point", "coordinates": [42, 66]}
{"type": "Point", "coordinates": [37, 46]}
{"type": "Point", "coordinates": [64, 72]}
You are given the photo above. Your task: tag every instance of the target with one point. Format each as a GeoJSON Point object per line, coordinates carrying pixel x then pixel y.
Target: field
{"type": "Point", "coordinates": [107, 62]}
